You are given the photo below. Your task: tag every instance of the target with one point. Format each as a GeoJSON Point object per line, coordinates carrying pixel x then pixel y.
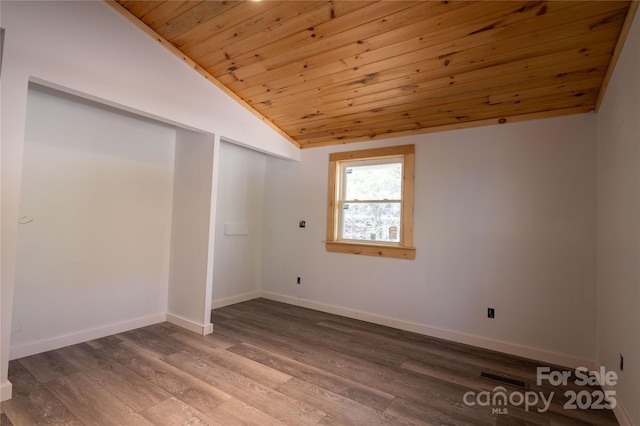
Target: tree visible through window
{"type": "Point", "coordinates": [370, 201]}
{"type": "Point", "coordinates": [370, 208]}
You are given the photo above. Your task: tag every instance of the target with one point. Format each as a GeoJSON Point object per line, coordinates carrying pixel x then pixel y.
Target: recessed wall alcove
{"type": "Point", "coordinates": [116, 224]}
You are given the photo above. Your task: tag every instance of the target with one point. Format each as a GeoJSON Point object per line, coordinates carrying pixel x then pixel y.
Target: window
{"type": "Point", "coordinates": [370, 203]}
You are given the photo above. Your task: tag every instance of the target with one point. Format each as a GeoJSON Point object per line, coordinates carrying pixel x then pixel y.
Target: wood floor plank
{"type": "Point", "coordinates": [92, 404]}
{"type": "Point", "coordinates": [277, 405]}
{"type": "Point", "coordinates": [355, 367]}
{"type": "Point", "coordinates": [181, 385]}
{"type": "Point", "coordinates": [463, 356]}
{"type": "Point", "coordinates": [103, 342]}
{"type": "Point", "coordinates": [175, 412]}
{"type": "Point", "coordinates": [235, 412]}
{"type": "Point", "coordinates": [124, 383]}
{"type": "Point", "coordinates": [303, 314]}
{"type": "Point", "coordinates": [560, 420]}
{"type": "Point", "coordinates": [341, 408]}
{"type": "Point", "coordinates": [219, 316]}
{"type": "Point", "coordinates": [518, 415]}
{"type": "Point", "coordinates": [151, 340]}
{"type": "Point", "coordinates": [287, 326]}
{"type": "Point", "coordinates": [447, 374]}
{"type": "Point", "coordinates": [32, 403]}
{"type": "Point", "coordinates": [269, 363]}
{"type": "Point", "coordinates": [221, 341]}
{"type": "Point", "coordinates": [365, 395]}
{"type": "Point", "coordinates": [258, 372]}
{"type": "Point", "coordinates": [510, 421]}
{"type": "Point", "coordinates": [424, 348]}
{"type": "Point", "coordinates": [433, 413]}
{"type": "Point", "coordinates": [595, 417]}
{"type": "Point", "coordinates": [48, 366]}
{"type": "Point", "coordinates": [4, 420]}
{"type": "Point", "coordinates": [384, 378]}
{"type": "Point", "coordinates": [249, 334]}
{"type": "Point", "coordinates": [164, 328]}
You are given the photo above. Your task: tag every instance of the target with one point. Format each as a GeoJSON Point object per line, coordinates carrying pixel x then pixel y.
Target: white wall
{"type": "Point", "coordinates": [191, 253]}
{"type": "Point", "coordinates": [619, 225]}
{"type": "Point", "coordinates": [238, 255]}
{"type": "Point", "coordinates": [504, 218]}
{"type": "Point", "coordinates": [96, 193]}
{"type": "Point", "coordinates": [87, 48]}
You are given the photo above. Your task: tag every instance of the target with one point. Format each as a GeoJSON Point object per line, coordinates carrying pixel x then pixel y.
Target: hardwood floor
{"type": "Point", "coordinates": [269, 363]}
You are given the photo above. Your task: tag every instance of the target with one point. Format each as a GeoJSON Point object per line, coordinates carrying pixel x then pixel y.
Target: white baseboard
{"type": "Point", "coordinates": [5, 390]}
{"type": "Point", "coordinates": [467, 339]}
{"type": "Point", "coordinates": [201, 329]}
{"type": "Point", "coordinates": [621, 415]}
{"type": "Point", "coordinates": [618, 410]}
{"type": "Point", "coordinates": [219, 303]}
{"type": "Point", "coordinates": [51, 343]}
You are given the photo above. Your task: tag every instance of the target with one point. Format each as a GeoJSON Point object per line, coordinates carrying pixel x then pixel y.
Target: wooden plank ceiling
{"type": "Point", "coordinates": [329, 72]}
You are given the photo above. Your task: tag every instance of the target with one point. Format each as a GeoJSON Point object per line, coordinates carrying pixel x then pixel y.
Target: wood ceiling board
{"type": "Point", "coordinates": [492, 79]}
{"type": "Point", "coordinates": [141, 8]}
{"type": "Point", "coordinates": [517, 73]}
{"type": "Point", "coordinates": [464, 59]}
{"type": "Point", "coordinates": [355, 71]}
{"type": "Point", "coordinates": [316, 39]}
{"type": "Point", "coordinates": [298, 27]}
{"type": "Point", "coordinates": [357, 40]}
{"type": "Point", "coordinates": [222, 32]}
{"type": "Point", "coordinates": [403, 79]}
{"type": "Point", "coordinates": [163, 12]}
{"type": "Point", "coordinates": [348, 57]}
{"type": "Point", "coordinates": [194, 18]}
{"type": "Point", "coordinates": [472, 108]}
{"type": "Point", "coordinates": [573, 80]}
{"type": "Point", "coordinates": [336, 71]}
{"type": "Point", "coordinates": [468, 56]}
{"type": "Point", "coordinates": [455, 126]}
{"type": "Point", "coordinates": [444, 119]}
{"type": "Point", "coordinates": [238, 29]}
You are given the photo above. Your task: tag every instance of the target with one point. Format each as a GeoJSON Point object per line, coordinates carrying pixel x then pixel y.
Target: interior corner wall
{"type": "Point", "coordinates": [190, 231]}
{"type": "Point", "coordinates": [504, 217]}
{"type": "Point", "coordinates": [93, 244]}
{"type": "Point", "coordinates": [238, 241]}
{"type": "Point", "coordinates": [618, 273]}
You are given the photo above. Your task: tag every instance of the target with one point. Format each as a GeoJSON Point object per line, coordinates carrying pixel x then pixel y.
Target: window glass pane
{"type": "Point", "coordinates": [371, 221]}
{"type": "Point", "coordinates": [374, 182]}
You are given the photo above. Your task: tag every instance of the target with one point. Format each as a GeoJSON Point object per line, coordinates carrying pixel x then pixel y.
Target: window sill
{"type": "Point", "coordinates": [369, 249]}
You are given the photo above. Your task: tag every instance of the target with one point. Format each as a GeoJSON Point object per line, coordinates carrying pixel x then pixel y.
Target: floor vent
{"type": "Point", "coordinates": [501, 379]}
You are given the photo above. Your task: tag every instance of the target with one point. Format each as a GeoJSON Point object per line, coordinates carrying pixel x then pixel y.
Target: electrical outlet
{"type": "Point", "coordinates": [491, 313]}
{"type": "Point", "coordinates": [299, 280]}
{"type": "Point", "coordinates": [302, 224]}
{"type": "Point", "coordinates": [621, 362]}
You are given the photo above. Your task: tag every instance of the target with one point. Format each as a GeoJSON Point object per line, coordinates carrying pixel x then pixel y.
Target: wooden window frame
{"type": "Point", "coordinates": [404, 249]}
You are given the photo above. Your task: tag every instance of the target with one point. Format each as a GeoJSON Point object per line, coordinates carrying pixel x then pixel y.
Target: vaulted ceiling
{"type": "Point", "coordinates": [329, 72]}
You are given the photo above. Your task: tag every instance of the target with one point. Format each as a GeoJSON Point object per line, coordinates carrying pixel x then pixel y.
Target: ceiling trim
{"type": "Point", "coordinates": [192, 64]}
{"type": "Point", "coordinates": [626, 26]}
